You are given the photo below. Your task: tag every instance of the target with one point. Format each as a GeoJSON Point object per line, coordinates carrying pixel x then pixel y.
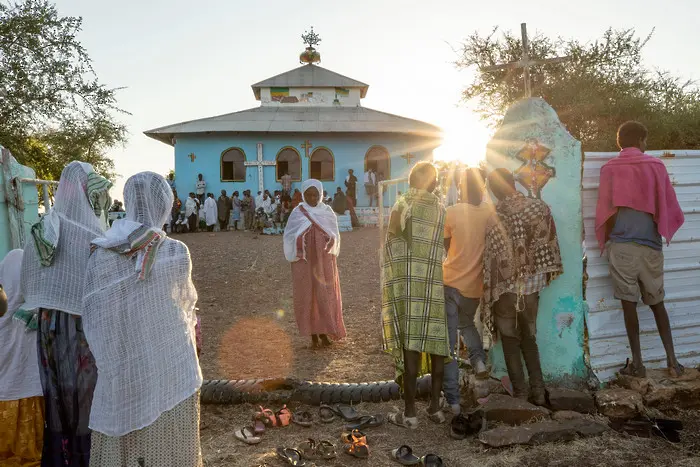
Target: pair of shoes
{"type": "Point", "coordinates": [463, 426]}
{"type": "Point", "coordinates": [355, 444]}
{"type": "Point", "coordinates": [404, 456]}
{"type": "Point", "coordinates": [401, 420]}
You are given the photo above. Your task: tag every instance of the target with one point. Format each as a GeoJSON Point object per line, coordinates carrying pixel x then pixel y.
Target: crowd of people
{"type": "Point", "coordinates": [98, 327]}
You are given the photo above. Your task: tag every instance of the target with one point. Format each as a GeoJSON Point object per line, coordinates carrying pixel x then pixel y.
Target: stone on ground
{"type": "Point", "coordinates": [659, 390]}
{"type": "Point", "coordinates": [570, 399]}
{"type": "Point", "coordinates": [506, 409]}
{"type": "Point", "coordinates": [619, 403]}
{"type": "Point", "coordinates": [566, 415]}
{"type": "Point", "coordinates": [541, 432]}
{"type": "Point", "coordinates": [473, 389]}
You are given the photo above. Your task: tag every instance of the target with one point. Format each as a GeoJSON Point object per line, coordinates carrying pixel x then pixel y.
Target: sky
{"type": "Point", "coordinates": [179, 60]}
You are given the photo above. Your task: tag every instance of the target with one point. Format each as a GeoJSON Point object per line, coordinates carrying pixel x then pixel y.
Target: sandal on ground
{"type": "Point", "coordinates": [347, 412]}
{"type": "Point", "coordinates": [676, 371]}
{"type": "Point", "coordinates": [283, 416]}
{"type": "Point", "coordinates": [401, 420]}
{"type": "Point", "coordinates": [635, 371]}
{"type": "Point", "coordinates": [431, 460]}
{"type": "Point", "coordinates": [355, 436]}
{"type": "Point", "coordinates": [247, 435]}
{"type": "Point", "coordinates": [303, 418]}
{"type": "Point", "coordinates": [437, 417]}
{"type": "Point", "coordinates": [366, 421]}
{"type": "Point", "coordinates": [258, 427]}
{"type": "Point", "coordinates": [266, 416]}
{"type": "Point", "coordinates": [404, 456]}
{"type": "Point", "coordinates": [359, 450]}
{"type": "Point", "coordinates": [312, 449]}
{"type": "Point", "coordinates": [326, 414]}
{"type": "Point", "coordinates": [463, 425]}
{"type": "Point", "coordinates": [291, 456]}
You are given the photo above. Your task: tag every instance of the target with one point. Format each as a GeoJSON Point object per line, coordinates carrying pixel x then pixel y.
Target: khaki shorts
{"type": "Point", "coordinates": [637, 270]}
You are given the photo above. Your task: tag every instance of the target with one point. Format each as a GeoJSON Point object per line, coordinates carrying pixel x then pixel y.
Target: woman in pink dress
{"type": "Point", "coordinates": [312, 244]}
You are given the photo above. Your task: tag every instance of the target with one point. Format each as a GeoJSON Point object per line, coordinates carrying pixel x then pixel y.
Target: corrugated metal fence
{"type": "Point", "coordinates": [607, 337]}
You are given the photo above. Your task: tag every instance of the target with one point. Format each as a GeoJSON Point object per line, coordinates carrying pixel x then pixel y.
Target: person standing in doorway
{"type": "Point", "coordinates": [191, 211]}
{"type": "Point", "coordinates": [465, 236]}
{"type": "Point", "coordinates": [223, 208]}
{"type": "Point", "coordinates": [370, 182]}
{"type": "Point", "coordinates": [637, 206]}
{"type": "Point", "coordinates": [414, 322]}
{"type": "Point", "coordinates": [286, 183]}
{"type": "Point", "coordinates": [312, 244]}
{"type": "Point", "coordinates": [351, 186]}
{"type": "Point", "coordinates": [210, 214]}
{"type": "Point", "coordinates": [201, 188]}
{"type": "Point", "coordinates": [521, 257]}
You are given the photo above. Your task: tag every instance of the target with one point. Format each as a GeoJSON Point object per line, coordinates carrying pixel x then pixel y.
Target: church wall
{"type": "Point", "coordinates": [348, 151]}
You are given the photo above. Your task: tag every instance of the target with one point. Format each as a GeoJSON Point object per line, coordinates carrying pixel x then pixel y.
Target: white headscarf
{"type": "Point", "coordinates": [141, 332]}
{"type": "Point", "coordinates": [298, 223]}
{"type": "Point", "coordinates": [67, 231]}
{"type": "Point", "coordinates": [19, 366]}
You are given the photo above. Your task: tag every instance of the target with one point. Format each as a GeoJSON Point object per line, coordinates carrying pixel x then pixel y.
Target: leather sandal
{"type": "Point", "coordinates": [404, 456]}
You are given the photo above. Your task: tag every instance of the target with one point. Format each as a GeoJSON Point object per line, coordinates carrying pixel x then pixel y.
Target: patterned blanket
{"type": "Point", "coordinates": [521, 243]}
{"type": "Point", "coordinates": [413, 302]}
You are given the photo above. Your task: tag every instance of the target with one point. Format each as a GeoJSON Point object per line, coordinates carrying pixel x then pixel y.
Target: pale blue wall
{"type": "Point", "coordinates": [560, 321]}
{"type": "Point", "coordinates": [348, 150]}
{"type": "Point", "coordinates": [31, 203]}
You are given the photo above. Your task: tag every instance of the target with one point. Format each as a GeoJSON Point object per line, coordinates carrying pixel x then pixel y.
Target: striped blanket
{"type": "Point", "coordinates": [413, 302]}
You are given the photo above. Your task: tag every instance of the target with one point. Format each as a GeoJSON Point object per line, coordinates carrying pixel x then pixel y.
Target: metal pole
{"type": "Point", "coordinates": [526, 59]}
{"type": "Point", "coordinates": [47, 199]}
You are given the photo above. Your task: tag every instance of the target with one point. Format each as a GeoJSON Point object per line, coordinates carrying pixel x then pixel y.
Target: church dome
{"type": "Point", "coordinates": [310, 55]}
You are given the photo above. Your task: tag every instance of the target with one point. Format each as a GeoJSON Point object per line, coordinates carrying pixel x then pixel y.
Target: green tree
{"type": "Point", "coordinates": [52, 107]}
{"type": "Point", "coordinates": [603, 85]}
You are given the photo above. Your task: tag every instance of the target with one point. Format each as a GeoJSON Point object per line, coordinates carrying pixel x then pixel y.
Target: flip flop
{"type": "Point", "coordinates": [437, 417]}
{"type": "Point", "coordinates": [404, 455]}
{"type": "Point", "coordinates": [303, 418]}
{"type": "Point", "coordinates": [283, 416]}
{"type": "Point", "coordinates": [247, 435]}
{"type": "Point", "coordinates": [366, 421]}
{"type": "Point", "coordinates": [355, 436]}
{"type": "Point", "coordinates": [307, 449]}
{"type": "Point", "coordinates": [431, 460]}
{"type": "Point", "coordinates": [403, 421]}
{"type": "Point", "coordinates": [359, 450]}
{"type": "Point", "coordinates": [347, 412]}
{"type": "Point", "coordinates": [326, 414]}
{"type": "Point", "coordinates": [291, 456]}
{"type": "Point", "coordinates": [325, 450]}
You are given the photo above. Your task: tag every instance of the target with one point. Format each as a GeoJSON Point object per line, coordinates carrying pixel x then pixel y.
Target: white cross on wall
{"type": "Point", "coordinates": [260, 163]}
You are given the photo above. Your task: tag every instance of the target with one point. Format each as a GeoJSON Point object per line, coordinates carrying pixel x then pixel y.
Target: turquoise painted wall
{"type": "Point", "coordinates": [31, 205]}
{"type": "Point", "coordinates": [560, 321]}
{"type": "Point", "coordinates": [348, 150]}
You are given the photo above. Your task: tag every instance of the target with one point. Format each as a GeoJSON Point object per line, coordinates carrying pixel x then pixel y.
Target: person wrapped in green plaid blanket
{"type": "Point", "coordinates": [414, 321]}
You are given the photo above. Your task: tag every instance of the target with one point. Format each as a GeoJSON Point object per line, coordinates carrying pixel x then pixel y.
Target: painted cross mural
{"type": "Point", "coordinates": [260, 163]}
{"type": "Point", "coordinates": [192, 157]}
{"type": "Point", "coordinates": [306, 145]}
{"type": "Point", "coordinates": [408, 157]}
{"type": "Point", "coordinates": [534, 173]}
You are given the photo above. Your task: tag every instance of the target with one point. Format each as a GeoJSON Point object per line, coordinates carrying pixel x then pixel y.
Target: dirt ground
{"type": "Point", "coordinates": [247, 313]}
{"type": "Point", "coordinates": [245, 301]}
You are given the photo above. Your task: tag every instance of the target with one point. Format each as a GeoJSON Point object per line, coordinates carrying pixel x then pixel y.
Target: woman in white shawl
{"type": "Point", "coordinates": [139, 318]}
{"type": "Point", "coordinates": [210, 212]}
{"type": "Point", "coordinates": [312, 244]}
{"type": "Point", "coordinates": [53, 274]}
{"type": "Point", "coordinates": [21, 401]}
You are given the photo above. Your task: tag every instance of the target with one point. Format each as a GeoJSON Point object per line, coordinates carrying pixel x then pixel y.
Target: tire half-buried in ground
{"type": "Point", "coordinates": [221, 391]}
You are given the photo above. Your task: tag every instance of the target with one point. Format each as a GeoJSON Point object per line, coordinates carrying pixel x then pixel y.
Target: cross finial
{"type": "Point", "coordinates": [192, 157]}
{"type": "Point", "coordinates": [525, 62]}
{"type": "Point", "coordinates": [310, 38]}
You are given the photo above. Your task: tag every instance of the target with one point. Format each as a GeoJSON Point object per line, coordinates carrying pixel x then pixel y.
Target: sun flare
{"type": "Point", "coordinates": [465, 139]}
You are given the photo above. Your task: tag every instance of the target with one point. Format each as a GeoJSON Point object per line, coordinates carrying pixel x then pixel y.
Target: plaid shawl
{"type": "Point", "coordinates": [520, 243]}
{"type": "Point", "coordinates": [413, 301]}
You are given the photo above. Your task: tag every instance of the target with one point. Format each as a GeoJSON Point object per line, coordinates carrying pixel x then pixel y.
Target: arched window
{"type": "Point", "coordinates": [377, 158]}
{"type": "Point", "coordinates": [233, 165]}
{"type": "Point", "coordinates": [288, 160]}
{"type": "Point", "coordinates": [322, 165]}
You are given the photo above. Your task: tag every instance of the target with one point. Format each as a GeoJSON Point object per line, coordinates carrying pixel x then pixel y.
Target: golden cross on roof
{"type": "Point", "coordinates": [526, 62]}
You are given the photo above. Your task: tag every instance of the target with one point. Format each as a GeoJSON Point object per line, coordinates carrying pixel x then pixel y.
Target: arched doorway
{"type": "Point", "coordinates": [322, 165]}
{"type": "Point", "coordinates": [289, 161]}
{"type": "Point", "coordinates": [378, 159]}
{"type": "Point", "coordinates": [233, 165]}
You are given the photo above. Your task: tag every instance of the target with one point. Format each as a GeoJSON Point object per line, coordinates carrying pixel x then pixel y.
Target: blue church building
{"type": "Point", "coordinates": [310, 123]}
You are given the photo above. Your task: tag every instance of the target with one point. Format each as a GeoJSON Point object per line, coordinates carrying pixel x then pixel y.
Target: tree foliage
{"type": "Point", "coordinates": [603, 85]}
{"type": "Point", "coordinates": [53, 109]}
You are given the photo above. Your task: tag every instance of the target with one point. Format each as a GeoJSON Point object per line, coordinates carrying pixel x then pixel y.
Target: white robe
{"type": "Point", "coordinates": [190, 207]}
{"type": "Point", "coordinates": [210, 211]}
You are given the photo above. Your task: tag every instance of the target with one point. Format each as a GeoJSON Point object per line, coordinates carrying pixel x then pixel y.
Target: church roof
{"type": "Point", "coordinates": [299, 119]}
{"type": "Point", "coordinates": [310, 76]}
